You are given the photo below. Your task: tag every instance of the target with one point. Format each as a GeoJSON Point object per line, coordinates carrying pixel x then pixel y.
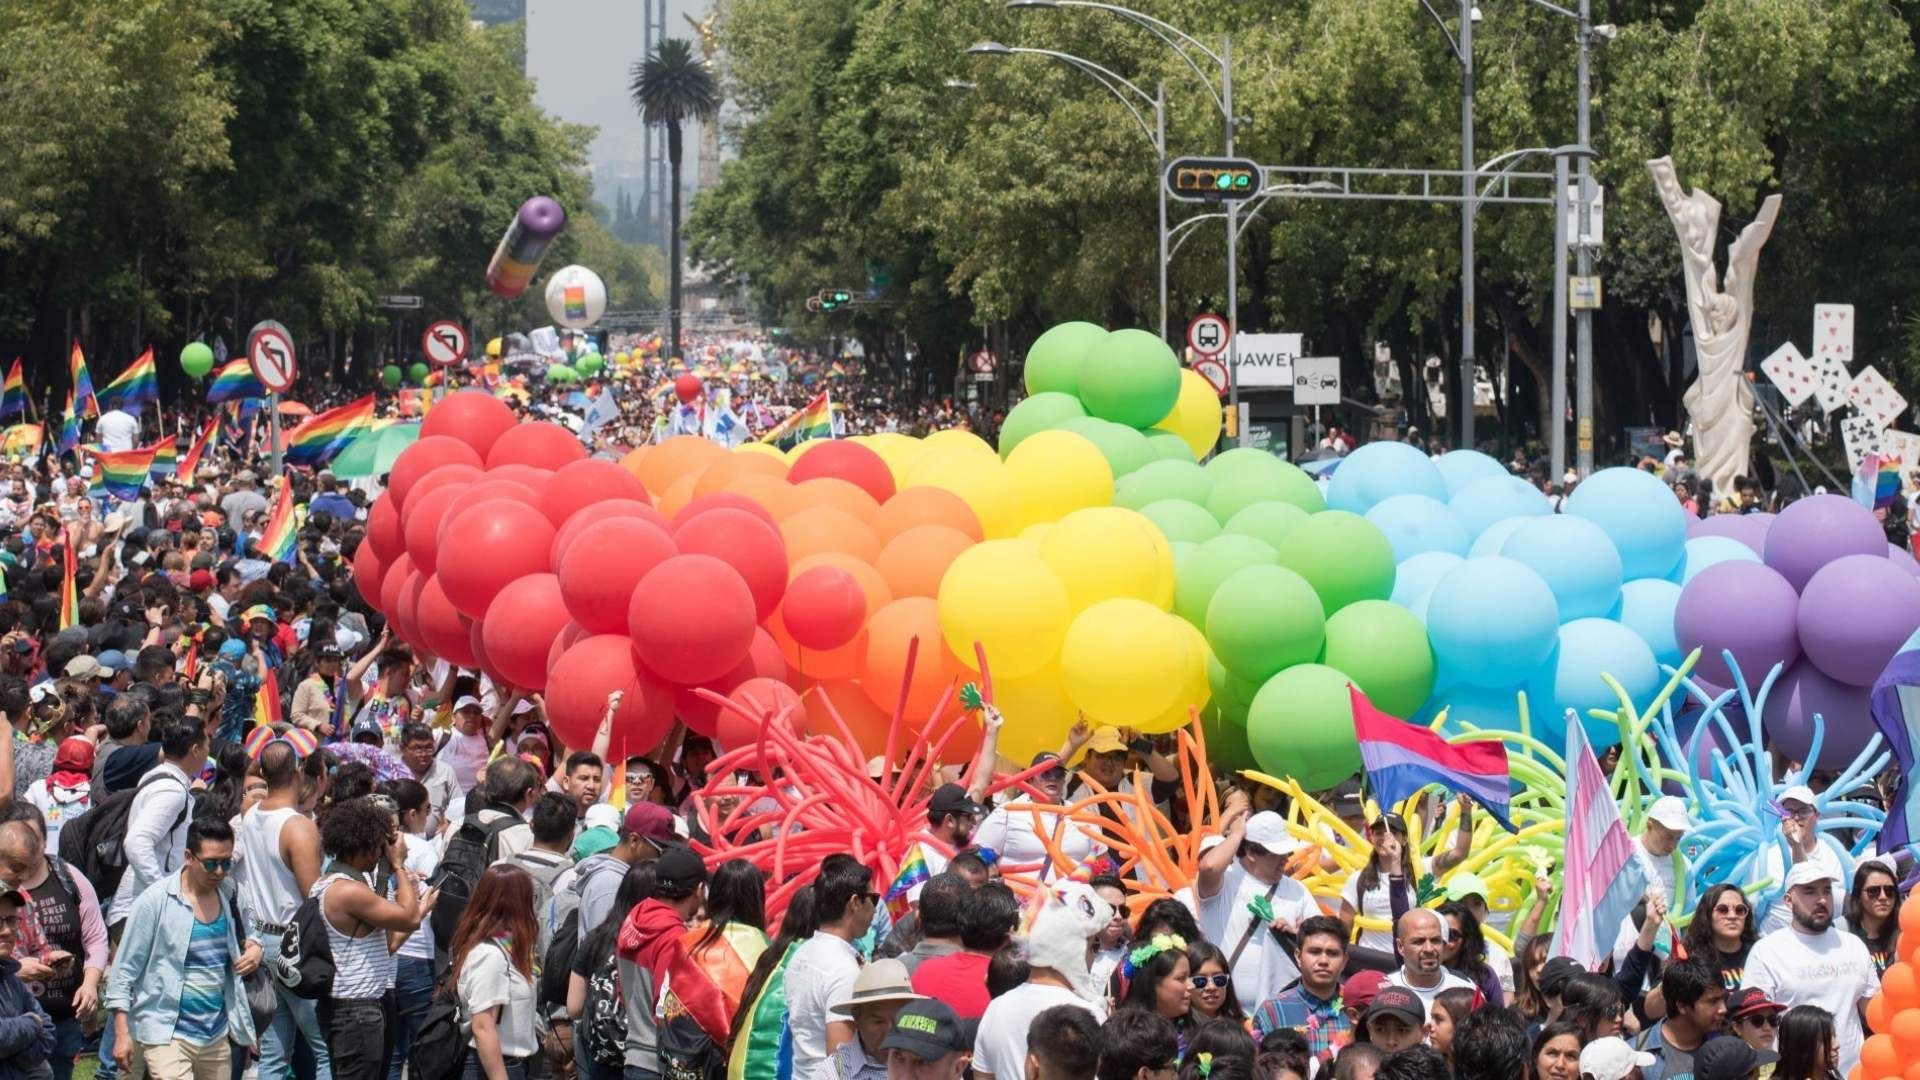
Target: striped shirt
{"type": "Point", "coordinates": [203, 990]}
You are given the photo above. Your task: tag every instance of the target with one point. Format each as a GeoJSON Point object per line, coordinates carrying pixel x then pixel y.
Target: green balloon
{"type": "Point", "coordinates": [1169, 446]}
{"type": "Point", "coordinates": [1226, 737]}
{"type": "Point", "coordinates": [1269, 521]}
{"type": "Point", "coordinates": [391, 375]}
{"type": "Point", "coordinates": [1263, 619]}
{"type": "Point", "coordinates": [1231, 693]}
{"type": "Point", "coordinates": [1383, 648]}
{"type": "Point", "coordinates": [1344, 556]}
{"type": "Point", "coordinates": [1181, 520]}
{"type": "Point", "coordinates": [1132, 378]}
{"type": "Point", "coordinates": [1041, 412]}
{"type": "Point", "coordinates": [590, 364]}
{"type": "Point", "coordinates": [196, 359]}
{"type": "Point", "coordinates": [1053, 362]}
{"type": "Point", "coordinates": [1214, 561]}
{"type": "Point", "coordinates": [417, 372]}
{"type": "Point", "coordinates": [1124, 448]}
{"type": "Point", "coordinates": [1245, 475]}
{"type": "Point", "coordinates": [562, 373]}
{"type": "Point", "coordinates": [1301, 725]}
{"type": "Point", "coordinates": [1158, 480]}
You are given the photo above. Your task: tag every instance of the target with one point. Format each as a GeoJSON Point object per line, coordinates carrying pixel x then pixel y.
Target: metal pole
{"type": "Point", "coordinates": [1557, 359]}
{"type": "Point", "coordinates": [273, 431]}
{"type": "Point", "coordinates": [1583, 319]}
{"type": "Point", "coordinates": [1159, 182]}
{"type": "Point", "coordinates": [1468, 185]}
{"type": "Point", "coordinates": [1233, 246]}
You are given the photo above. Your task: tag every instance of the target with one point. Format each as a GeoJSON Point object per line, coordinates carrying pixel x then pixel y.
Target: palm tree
{"type": "Point", "coordinates": [670, 88]}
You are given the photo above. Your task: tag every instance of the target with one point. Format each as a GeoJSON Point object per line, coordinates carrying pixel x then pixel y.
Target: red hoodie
{"type": "Point", "coordinates": [652, 939]}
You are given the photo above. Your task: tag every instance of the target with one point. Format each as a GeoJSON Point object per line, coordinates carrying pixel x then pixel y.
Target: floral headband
{"type": "Point", "coordinates": [1143, 953]}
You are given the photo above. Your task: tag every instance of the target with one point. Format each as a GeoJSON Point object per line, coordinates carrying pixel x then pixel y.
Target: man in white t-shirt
{"type": "Point", "coordinates": [1801, 829]}
{"type": "Point", "coordinates": [1667, 824]}
{"type": "Point", "coordinates": [466, 748]}
{"type": "Point", "coordinates": [1421, 936]}
{"type": "Point", "coordinates": [1812, 963]}
{"type": "Point", "coordinates": [1057, 950]}
{"type": "Point", "coordinates": [117, 430]}
{"type": "Point", "coordinates": [824, 968]}
{"type": "Point", "coordinates": [1246, 901]}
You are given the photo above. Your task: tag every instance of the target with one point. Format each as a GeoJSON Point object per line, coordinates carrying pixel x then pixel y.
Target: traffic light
{"type": "Point", "coordinates": [831, 299]}
{"type": "Point", "coordinates": [1213, 179]}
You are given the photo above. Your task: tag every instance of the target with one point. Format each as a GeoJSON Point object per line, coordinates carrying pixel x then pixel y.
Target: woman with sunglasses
{"type": "Point", "coordinates": [1870, 911]}
{"type": "Point", "coordinates": [1213, 996]}
{"type": "Point", "coordinates": [1723, 931]}
{"type": "Point", "coordinates": [1754, 1018]}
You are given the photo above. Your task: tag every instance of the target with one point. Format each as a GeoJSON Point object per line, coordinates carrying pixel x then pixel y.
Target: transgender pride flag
{"type": "Point", "coordinates": [1602, 880]}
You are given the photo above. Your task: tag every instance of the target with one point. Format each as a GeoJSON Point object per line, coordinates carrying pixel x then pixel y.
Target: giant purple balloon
{"type": "Point", "coordinates": [1800, 692]}
{"type": "Point", "coordinates": [1749, 529]}
{"type": "Point", "coordinates": [1903, 558]}
{"type": "Point", "coordinates": [1855, 614]}
{"type": "Point", "coordinates": [1742, 606]}
{"type": "Point", "coordinates": [1817, 530]}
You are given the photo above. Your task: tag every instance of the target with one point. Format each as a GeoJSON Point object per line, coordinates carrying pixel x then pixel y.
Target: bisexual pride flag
{"type": "Point", "coordinates": [1402, 758]}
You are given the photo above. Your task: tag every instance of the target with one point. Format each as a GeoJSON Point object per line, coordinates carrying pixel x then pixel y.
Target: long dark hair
{"type": "Point", "coordinates": [1527, 999]}
{"type": "Point", "coordinates": [1201, 952]}
{"type": "Point", "coordinates": [1699, 936]}
{"type": "Point", "coordinates": [501, 907]}
{"type": "Point", "coordinates": [737, 894]}
{"type": "Point", "coordinates": [1370, 873]}
{"type": "Point", "coordinates": [636, 888]}
{"type": "Point", "coordinates": [229, 788]}
{"type": "Point", "coordinates": [1143, 987]}
{"type": "Point", "coordinates": [1806, 1032]}
{"type": "Point", "coordinates": [796, 925]}
{"type": "Point", "coordinates": [1589, 999]}
{"type": "Point", "coordinates": [1471, 961]}
{"type": "Point", "coordinates": [1855, 908]}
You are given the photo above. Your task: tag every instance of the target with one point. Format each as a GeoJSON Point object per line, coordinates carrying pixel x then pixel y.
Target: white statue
{"type": "Point", "coordinates": [1719, 402]}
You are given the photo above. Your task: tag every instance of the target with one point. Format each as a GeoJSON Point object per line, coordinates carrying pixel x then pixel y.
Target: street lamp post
{"type": "Point", "coordinates": [1462, 46]}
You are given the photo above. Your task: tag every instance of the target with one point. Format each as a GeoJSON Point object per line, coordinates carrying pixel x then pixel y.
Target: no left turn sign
{"type": "Point", "coordinates": [445, 343]}
{"type": "Point", "coordinates": [270, 354]}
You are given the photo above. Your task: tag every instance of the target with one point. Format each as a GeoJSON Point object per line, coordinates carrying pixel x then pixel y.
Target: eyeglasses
{"type": "Point", "coordinates": [1218, 980]}
{"type": "Point", "coordinates": [216, 866]}
{"type": "Point", "coordinates": [870, 897]}
{"type": "Point", "coordinates": [1762, 1020]}
{"type": "Point", "coordinates": [1882, 892]}
{"type": "Point", "coordinates": [1723, 909]}
{"type": "Point", "coordinates": [1802, 813]}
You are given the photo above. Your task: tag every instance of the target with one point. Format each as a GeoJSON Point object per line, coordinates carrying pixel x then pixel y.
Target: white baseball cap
{"type": "Point", "coordinates": [1269, 830]}
{"type": "Point", "coordinates": [603, 816]}
{"type": "Point", "coordinates": [1671, 811]}
{"type": "Point", "coordinates": [1799, 793]}
{"type": "Point", "coordinates": [1807, 873]}
{"type": "Point", "coordinates": [1611, 1059]}
{"type": "Point", "coordinates": [465, 702]}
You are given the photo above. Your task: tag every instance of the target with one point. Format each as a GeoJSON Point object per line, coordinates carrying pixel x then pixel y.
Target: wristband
{"type": "Point", "coordinates": [1142, 746]}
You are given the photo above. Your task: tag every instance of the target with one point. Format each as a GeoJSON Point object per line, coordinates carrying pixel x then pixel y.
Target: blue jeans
{"type": "Point", "coordinates": [412, 993]}
{"type": "Point", "coordinates": [473, 1070]}
{"type": "Point", "coordinates": [108, 1067]}
{"type": "Point", "coordinates": [66, 1045]}
{"type": "Point", "coordinates": [295, 1018]}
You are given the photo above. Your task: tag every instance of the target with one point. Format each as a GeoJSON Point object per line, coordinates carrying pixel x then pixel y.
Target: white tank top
{"type": "Point", "coordinates": [361, 965]}
{"type": "Point", "coordinates": [267, 883]}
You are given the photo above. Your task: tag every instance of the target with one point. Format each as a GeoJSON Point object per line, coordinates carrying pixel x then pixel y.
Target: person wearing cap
{"type": "Point", "coordinates": [1395, 1020]}
{"type": "Point", "coordinates": [320, 699]}
{"type": "Point", "coordinates": [877, 997]}
{"type": "Point", "coordinates": [1057, 946]}
{"type": "Point", "coordinates": [1099, 754]}
{"type": "Point", "coordinates": [1728, 1058]}
{"type": "Point", "coordinates": [1017, 836]}
{"type": "Point", "coordinates": [1811, 962]}
{"type": "Point", "coordinates": [466, 748]}
{"type": "Point", "coordinates": [927, 1042]}
{"type": "Point", "coordinates": [1610, 1058]}
{"type": "Point", "coordinates": [651, 945]}
{"type": "Point", "coordinates": [1754, 1017]}
{"type": "Point", "coordinates": [1420, 936]}
{"type": "Point", "coordinates": [1248, 905]}
{"type": "Point", "coordinates": [1312, 1006]}
{"type": "Point", "coordinates": [1555, 974]}
{"type": "Point", "coordinates": [1696, 1011]}
{"type": "Point", "coordinates": [952, 816]}
{"type": "Point", "coordinates": [67, 790]}
{"type": "Point", "coordinates": [1799, 811]}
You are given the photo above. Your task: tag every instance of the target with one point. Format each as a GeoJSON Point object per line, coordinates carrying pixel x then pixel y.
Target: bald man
{"type": "Point", "coordinates": [1421, 936]}
{"type": "Point", "coordinates": [66, 968]}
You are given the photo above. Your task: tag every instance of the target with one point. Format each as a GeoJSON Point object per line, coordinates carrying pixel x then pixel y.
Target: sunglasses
{"type": "Point", "coordinates": [1218, 980]}
{"type": "Point", "coordinates": [1723, 909]}
{"type": "Point", "coordinates": [1882, 892]}
{"type": "Point", "coordinates": [870, 897]}
{"type": "Point", "coordinates": [216, 866]}
{"type": "Point", "coordinates": [1762, 1020]}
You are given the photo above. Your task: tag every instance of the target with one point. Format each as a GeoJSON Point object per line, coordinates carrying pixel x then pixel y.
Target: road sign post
{"type": "Point", "coordinates": [270, 354]}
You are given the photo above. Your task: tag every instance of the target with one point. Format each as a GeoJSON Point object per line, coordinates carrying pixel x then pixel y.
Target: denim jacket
{"type": "Point", "coordinates": [151, 966]}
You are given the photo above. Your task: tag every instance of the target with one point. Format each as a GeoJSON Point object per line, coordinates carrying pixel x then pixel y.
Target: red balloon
{"type": "Point", "coordinates": [577, 693]}
{"type": "Point", "coordinates": [824, 608]}
{"type": "Point", "coordinates": [520, 626]}
{"type": "Point", "coordinates": [406, 607]}
{"type": "Point", "coordinates": [445, 474]}
{"type": "Point", "coordinates": [745, 543]}
{"type": "Point", "coordinates": [422, 518]}
{"type": "Point", "coordinates": [542, 445]}
{"type": "Point", "coordinates": [763, 662]}
{"type": "Point", "coordinates": [475, 417]}
{"type": "Point", "coordinates": [691, 618]}
{"type": "Point", "coordinates": [687, 388]}
{"type": "Point", "coordinates": [367, 572]}
{"type": "Point", "coordinates": [486, 490]}
{"type": "Point", "coordinates": [765, 701]}
{"type": "Point", "coordinates": [569, 634]}
{"type": "Point", "coordinates": [479, 650]}
{"type": "Point", "coordinates": [424, 456]}
{"type": "Point", "coordinates": [390, 583]}
{"type": "Point", "coordinates": [384, 530]}
{"type": "Point", "coordinates": [598, 512]}
{"type": "Point", "coordinates": [534, 478]}
{"type": "Point", "coordinates": [723, 500]}
{"type": "Point", "coordinates": [586, 482]}
{"type": "Point", "coordinates": [443, 630]}
{"type": "Point", "coordinates": [486, 547]}
{"type": "Point", "coordinates": [847, 461]}
{"type": "Point", "coordinates": [602, 566]}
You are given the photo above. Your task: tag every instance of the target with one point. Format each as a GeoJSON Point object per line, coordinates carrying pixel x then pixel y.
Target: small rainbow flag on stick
{"type": "Point", "coordinates": [266, 700]}
{"type": "Point", "coordinates": [135, 385]}
{"type": "Point", "coordinates": [813, 422]}
{"type": "Point", "coordinates": [69, 428]}
{"type": "Point", "coordinates": [315, 442]}
{"type": "Point", "coordinates": [276, 537]}
{"type": "Point", "coordinates": [13, 398]}
{"type": "Point", "coordinates": [191, 461]}
{"type": "Point", "coordinates": [913, 872]}
{"type": "Point", "coordinates": [121, 473]}
{"type": "Point", "coordinates": [235, 380]}
{"type": "Point", "coordinates": [82, 383]}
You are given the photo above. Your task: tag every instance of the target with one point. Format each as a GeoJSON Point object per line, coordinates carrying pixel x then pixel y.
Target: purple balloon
{"type": "Point", "coordinates": [1800, 692]}
{"type": "Point", "coordinates": [1749, 529]}
{"type": "Point", "coordinates": [1742, 606]}
{"type": "Point", "coordinates": [1903, 558]}
{"type": "Point", "coordinates": [1855, 614]}
{"type": "Point", "coordinates": [1817, 530]}
{"type": "Point", "coordinates": [1694, 527]}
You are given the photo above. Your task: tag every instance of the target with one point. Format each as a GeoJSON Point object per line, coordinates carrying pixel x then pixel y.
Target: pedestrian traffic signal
{"type": "Point", "coordinates": [830, 299]}
{"type": "Point", "coordinates": [1213, 179]}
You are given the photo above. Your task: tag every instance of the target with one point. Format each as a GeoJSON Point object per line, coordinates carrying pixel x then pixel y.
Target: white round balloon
{"type": "Point", "coordinates": [576, 297]}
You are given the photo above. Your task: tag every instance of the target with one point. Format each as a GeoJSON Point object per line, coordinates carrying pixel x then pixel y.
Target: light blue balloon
{"type": "Point", "coordinates": [1380, 470]}
{"type": "Point", "coordinates": [1571, 679]}
{"type": "Point", "coordinates": [1577, 560]}
{"type": "Point", "coordinates": [1488, 708]}
{"type": "Point", "coordinates": [1492, 499]}
{"type": "Point", "coordinates": [1640, 513]}
{"type": "Point", "coordinates": [1462, 467]}
{"type": "Point", "coordinates": [1704, 551]}
{"type": "Point", "coordinates": [1492, 622]}
{"type": "Point", "coordinates": [1489, 543]}
{"type": "Point", "coordinates": [1646, 608]}
{"type": "Point", "coordinates": [1416, 577]}
{"type": "Point", "coordinates": [1416, 524]}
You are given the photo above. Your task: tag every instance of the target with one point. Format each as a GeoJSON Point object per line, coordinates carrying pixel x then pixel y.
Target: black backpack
{"type": "Point", "coordinates": [472, 848]}
{"type": "Point", "coordinates": [95, 842]}
{"type": "Point", "coordinates": [439, 1047]}
{"type": "Point", "coordinates": [606, 1018]}
{"type": "Point", "coordinates": [303, 962]}
{"type": "Point", "coordinates": [556, 968]}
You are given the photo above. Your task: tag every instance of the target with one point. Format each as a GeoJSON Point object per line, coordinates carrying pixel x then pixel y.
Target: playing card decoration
{"type": "Point", "coordinates": [1791, 373]}
{"type": "Point", "coordinates": [1830, 382]}
{"type": "Point", "coordinates": [1874, 396]}
{"type": "Point", "coordinates": [1862, 435]}
{"type": "Point", "coordinates": [1833, 332]}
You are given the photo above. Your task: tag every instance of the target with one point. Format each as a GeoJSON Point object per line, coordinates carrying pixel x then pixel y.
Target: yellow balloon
{"type": "Point", "coordinates": [900, 452]}
{"type": "Point", "coordinates": [1001, 595]}
{"type": "Point", "coordinates": [493, 347]}
{"type": "Point", "coordinates": [1038, 712]}
{"type": "Point", "coordinates": [1195, 692]}
{"type": "Point", "coordinates": [981, 481]}
{"type": "Point", "coordinates": [763, 449]}
{"type": "Point", "coordinates": [1036, 534]}
{"type": "Point", "coordinates": [1109, 551]}
{"type": "Point", "coordinates": [1196, 414]}
{"type": "Point", "coordinates": [1058, 472]}
{"type": "Point", "coordinates": [960, 439]}
{"type": "Point", "coordinates": [1124, 662]}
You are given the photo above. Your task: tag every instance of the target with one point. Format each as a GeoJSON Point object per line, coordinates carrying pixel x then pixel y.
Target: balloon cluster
{"type": "Point", "coordinates": [1893, 1014]}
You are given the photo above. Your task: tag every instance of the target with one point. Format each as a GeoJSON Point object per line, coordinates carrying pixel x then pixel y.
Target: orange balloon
{"type": "Point", "coordinates": [1910, 917]}
{"type": "Point", "coordinates": [914, 562]}
{"type": "Point", "coordinates": [1901, 988]}
{"type": "Point", "coordinates": [728, 467]}
{"type": "Point", "coordinates": [839, 494]}
{"type": "Point", "coordinates": [822, 528]}
{"type": "Point", "coordinates": [1909, 947]}
{"type": "Point", "coordinates": [1880, 1057]}
{"type": "Point", "coordinates": [676, 496]}
{"type": "Point", "coordinates": [771, 492]}
{"type": "Point", "coordinates": [631, 462]}
{"type": "Point", "coordinates": [1912, 1073]}
{"type": "Point", "coordinates": [1904, 1026]}
{"type": "Point", "coordinates": [841, 663]}
{"type": "Point", "coordinates": [925, 506]}
{"type": "Point", "coordinates": [679, 456]}
{"type": "Point", "coordinates": [867, 721]}
{"type": "Point", "coordinates": [1877, 1012]}
{"type": "Point", "coordinates": [889, 634]}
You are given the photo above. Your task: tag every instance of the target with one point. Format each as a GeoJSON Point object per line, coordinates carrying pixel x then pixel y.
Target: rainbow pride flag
{"type": "Point", "coordinates": [191, 461]}
{"type": "Point", "coordinates": [813, 422]}
{"type": "Point", "coordinates": [121, 473]}
{"type": "Point", "coordinates": [136, 385]}
{"type": "Point", "coordinates": [82, 383]}
{"type": "Point", "coordinates": [1875, 486]}
{"type": "Point", "coordinates": [266, 700]}
{"type": "Point", "coordinates": [13, 397]}
{"type": "Point", "coordinates": [235, 380]}
{"type": "Point", "coordinates": [913, 871]}
{"type": "Point", "coordinates": [276, 537]}
{"type": "Point", "coordinates": [166, 459]}
{"type": "Point", "coordinates": [69, 429]}
{"type": "Point", "coordinates": [315, 442]}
